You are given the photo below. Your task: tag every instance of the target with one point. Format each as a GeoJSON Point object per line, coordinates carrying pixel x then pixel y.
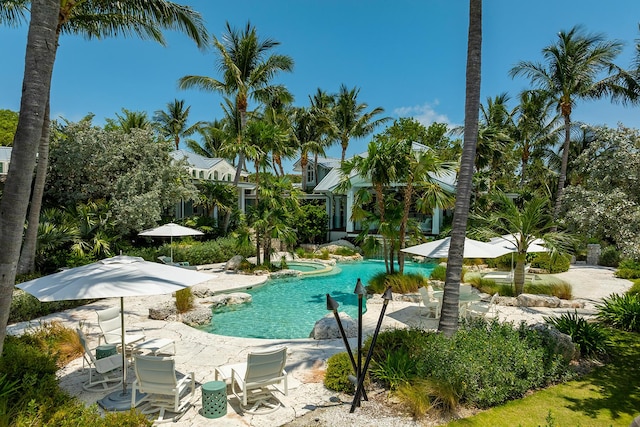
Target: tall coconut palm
{"type": "Point", "coordinates": [248, 70]}
{"type": "Point", "coordinates": [535, 127]}
{"type": "Point", "coordinates": [571, 71]}
{"type": "Point", "coordinates": [172, 123]}
{"type": "Point", "coordinates": [94, 19]}
{"type": "Point", "coordinates": [213, 137]}
{"type": "Point", "coordinates": [350, 118]}
{"type": "Point", "coordinates": [449, 318]}
{"type": "Point", "coordinates": [39, 59]}
{"type": "Point", "coordinates": [381, 168]}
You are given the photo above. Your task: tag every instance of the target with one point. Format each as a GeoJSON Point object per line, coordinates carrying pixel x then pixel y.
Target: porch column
{"type": "Point", "coordinates": [436, 221]}
{"type": "Point", "coordinates": [349, 210]}
{"type": "Point", "coordinates": [241, 200]}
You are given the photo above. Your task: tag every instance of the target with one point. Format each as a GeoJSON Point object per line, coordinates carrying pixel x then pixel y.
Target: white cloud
{"type": "Point", "coordinates": [425, 113]}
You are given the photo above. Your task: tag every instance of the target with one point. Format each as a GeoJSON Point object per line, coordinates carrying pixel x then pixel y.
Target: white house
{"type": "Point", "coordinates": [211, 169]}
{"type": "Point", "coordinates": [5, 158]}
{"type": "Point", "coordinates": [339, 204]}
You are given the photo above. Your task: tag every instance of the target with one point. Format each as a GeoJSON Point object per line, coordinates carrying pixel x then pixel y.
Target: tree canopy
{"type": "Point", "coordinates": [130, 170]}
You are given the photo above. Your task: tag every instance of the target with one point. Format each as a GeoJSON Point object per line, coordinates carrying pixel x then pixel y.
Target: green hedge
{"type": "Point", "coordinates": [485, 363]}
{"type": "Point", "coordinates": [553, 264]}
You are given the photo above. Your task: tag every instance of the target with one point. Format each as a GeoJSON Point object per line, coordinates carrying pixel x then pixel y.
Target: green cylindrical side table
{"type": "Point", "coordinates": [105, 350]}
{"type": "Point", "coordinates": [214, 399]}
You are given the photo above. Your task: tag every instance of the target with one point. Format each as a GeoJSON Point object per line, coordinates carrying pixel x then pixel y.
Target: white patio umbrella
{"type": "Point", "coordinates": [472, 249]}
{"type": "Point", "coordinates": [120, 276]}
{"type": "Point", "coordinates": [171, 230]}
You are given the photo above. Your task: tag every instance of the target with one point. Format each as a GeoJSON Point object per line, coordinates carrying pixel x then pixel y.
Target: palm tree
{"type": "Point", "coordinates": [535, 128]}
{"type": "Point", "coordinates": [449, 318]}
{"type": "Point", "coordinates": [248, 71]}
{"type": "Point", "coordinates": [525, 224]}
{"type": "Point", "coordinates": [128, 121]}
{"type": "Point", "coordinates": [172, 123]}
{"type": "Point", "coordinates": [39, 59]}
{"type": "Point", "coordinates": [381, 168]}
{"type": "Point", "coordinates": [307, 137]}
{"type": "Point", "coordinates": [350, 119]}
{"type": "Point", "coordinates": [213, 137]}
{"type": "Point", "coordinates": [572, 70]}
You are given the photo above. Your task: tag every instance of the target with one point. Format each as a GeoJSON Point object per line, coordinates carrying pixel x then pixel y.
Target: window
{"type": "Point", "coordinates": [311, 176]}
{"type": "Point", "coordinates": [215, 175]}
{"type": "Point", "coordinates": [1, 167]}
{"type": "Point", "coordinates": [193, 172]}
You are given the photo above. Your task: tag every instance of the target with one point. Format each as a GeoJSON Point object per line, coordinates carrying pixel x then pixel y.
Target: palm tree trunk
{"type": "Point", "coordinates": [402, 232]}
{"type": "Point", "coordinates": [563, 167]}
{"type": "Point", "coordinates": [28, 253]}
{"type": "Point", "coordinates": [449, 318]}
{"type": "Point", "coordinates": [304, 161]}
{"type": "Point", "coordinates": [518, 274]}
{"type": "Point", "coordinates": [39, 59]}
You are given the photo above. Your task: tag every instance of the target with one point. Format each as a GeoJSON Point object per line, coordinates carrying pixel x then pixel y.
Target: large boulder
{"type": "Point", "coordinates": [282, 274]}
{"type": "Point", "coordinates": [531, 300]}
{"type": "Point", "coordinates": [559, 342]}
{"type": "Point", "coordinates": [200, 315]}
{"type": "Point", "coordinates": [327, 327]}
{"type": "Point", "coordinates": [234, 263]}
{"type": "Point", "coordinates": [163, 311]}
{"type": "Point", "coordinates": [229, 299]}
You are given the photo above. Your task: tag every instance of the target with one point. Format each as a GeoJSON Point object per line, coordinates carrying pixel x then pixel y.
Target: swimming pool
{"type": "Point", "coordinates": [288, 308]}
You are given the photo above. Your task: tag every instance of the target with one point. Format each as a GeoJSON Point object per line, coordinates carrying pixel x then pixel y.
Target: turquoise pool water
{"type": "Point", "coordinates": [288, 308]}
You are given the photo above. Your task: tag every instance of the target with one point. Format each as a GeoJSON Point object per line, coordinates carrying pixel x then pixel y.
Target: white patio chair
{"type": "Point", "coordinates": [111, 327]}
{"type": "Point", "coordinates": [157, 377]}
{"type": "Point", "coordinates": [479, 310]}
{"type": "Point", "coordinates": [430, 303]}
{"type": "Point", "coordinates": [105, 373]}
{"type": "Point", "coordinates": [253, 382]}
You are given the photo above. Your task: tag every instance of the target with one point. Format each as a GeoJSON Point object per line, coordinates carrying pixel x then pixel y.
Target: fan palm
{"type": "Point", "coordinates": [571, 72]}
{"type": "Point", "coordinates": [247, 72]}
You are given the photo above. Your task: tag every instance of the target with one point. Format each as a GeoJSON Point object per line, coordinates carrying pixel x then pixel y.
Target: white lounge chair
{"type": "Point", "coordinates": [430, 303]}
{"type": "Point", "coordinates": [251, 382]}
{"type": "Point", "coordinates": [111, 326]}
{"type": "Point", "coordinates": [157, 377]}
{"type": "Point", "coordinates": [105, 373]}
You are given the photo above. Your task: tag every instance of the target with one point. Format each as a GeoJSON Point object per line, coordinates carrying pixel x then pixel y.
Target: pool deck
{"type": "Point", "coordinates": [201, 353]}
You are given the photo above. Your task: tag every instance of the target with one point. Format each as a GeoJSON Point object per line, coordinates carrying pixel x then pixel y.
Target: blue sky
{"type": "Point", "coordinates": [407, 57]}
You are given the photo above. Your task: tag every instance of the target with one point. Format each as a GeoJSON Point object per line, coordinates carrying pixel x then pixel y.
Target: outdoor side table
{"type": "Point", "coordinates": [105, 350]}
{"type": "Point", "coordinates": [214, 399]}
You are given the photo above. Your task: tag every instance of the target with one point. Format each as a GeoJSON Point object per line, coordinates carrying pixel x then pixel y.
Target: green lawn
{"type": "Point", "coordinates": [608, 396]}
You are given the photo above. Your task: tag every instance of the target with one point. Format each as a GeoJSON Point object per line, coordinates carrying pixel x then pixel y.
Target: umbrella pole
{"type": "Point", "coordinates": [124, 350]}
{"type": "Point", "coordinates": [171, 247]}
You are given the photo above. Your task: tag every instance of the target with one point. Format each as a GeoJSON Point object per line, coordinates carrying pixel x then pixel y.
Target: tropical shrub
{"type": "Point", "coordinates": [25, 306]}
{"type": "Point", "coordinates": [422, 395]}
{"type": "Point", "coordinates": [210, 252]}
{"type": "Point", "coordinates": [339, 368]}
{"type": "Point", "coordinates": [621, 311]}
{"type": "Point", "coordinates": [635, 288]}
{"type": "Point", "coordinates": [552, 263]}
{"type": "Point", "coordinates": [29, 387]}
{"type": "Point", "coordinates": [628, 269]}
{"type": "Point", "coordinates": [483, 364]}
{"type": "Point", "coordinates": [591, 338]}
{"type": "Point", "coordinates": [311, 223]}
{"type": "Point", "coordinates": [609, 257]}
{"type": "Point", "coordinates": [400, 283]}
{"type": "Point", "coordinates": [439, 272]}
